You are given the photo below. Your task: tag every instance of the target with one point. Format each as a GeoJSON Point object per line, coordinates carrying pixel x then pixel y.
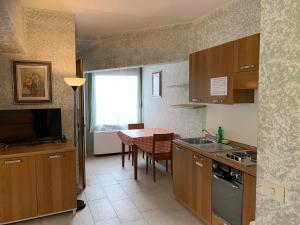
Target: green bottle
{"type": "Point", "coordinates": [220, 135]}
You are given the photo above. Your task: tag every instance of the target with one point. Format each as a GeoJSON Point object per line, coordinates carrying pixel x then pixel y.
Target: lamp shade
{"type": "Point", "coordinates": [74, 81]}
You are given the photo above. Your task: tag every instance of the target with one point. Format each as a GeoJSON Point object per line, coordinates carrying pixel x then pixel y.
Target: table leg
{"type": "Point", "coordinates": [123, 154]}
{"type": "Point", "coordinates": [135, 150]}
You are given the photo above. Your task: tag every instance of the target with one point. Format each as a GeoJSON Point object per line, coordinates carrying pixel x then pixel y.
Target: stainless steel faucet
{"type": "Point", "coordinates": [206, 131]}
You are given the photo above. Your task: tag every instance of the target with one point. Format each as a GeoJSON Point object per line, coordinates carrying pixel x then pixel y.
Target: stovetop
{"type": "Point", "coordinates": [247, 158]}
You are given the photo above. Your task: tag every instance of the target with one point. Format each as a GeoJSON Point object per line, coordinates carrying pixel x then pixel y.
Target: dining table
{"type": "Point", "coordinates": [141, 139]}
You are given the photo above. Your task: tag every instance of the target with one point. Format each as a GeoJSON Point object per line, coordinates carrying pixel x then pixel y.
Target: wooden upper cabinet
{"type": "Point", "coordinates": [247, 53]}
{"type": "Point", "coordinates": [56, 182]}
{"type": "Point", "coordinates": [237, 60]}
{"type": "Point", "coordinates": [246, 62]}
{"type": "Point", "coordinates": [220, 60]}
{"type": "Point", "coordinates": [17, 189]}
{"type": "Point", "coordinates": [198, 77]}
{"type": "Point", "coordinates": [220, 64]}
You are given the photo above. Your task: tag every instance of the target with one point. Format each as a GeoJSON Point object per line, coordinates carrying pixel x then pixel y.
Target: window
{"type": "Point", "coordinates": [116, 99]}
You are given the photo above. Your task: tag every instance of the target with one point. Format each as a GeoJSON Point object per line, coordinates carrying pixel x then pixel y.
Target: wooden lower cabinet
{"type": "Point", "coordinates": [249, 199]}
{"type": "Point", "coordinates": [38, 184]}
{"type": "Point", "coordinates": [56, 187]}
{"type": "Point", "coordinates": [192, 181]}
{"type": "Point", "coordinates": [17, 189]}
{"type": "Point", "coordinates": [202, 187]}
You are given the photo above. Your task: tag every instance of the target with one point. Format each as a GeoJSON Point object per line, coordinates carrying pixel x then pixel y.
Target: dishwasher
{"type": "Point", "coordinates": [227, 193]}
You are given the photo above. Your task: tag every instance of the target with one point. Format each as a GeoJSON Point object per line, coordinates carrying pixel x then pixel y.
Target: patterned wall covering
{"type": "Point", "coordinates": [11, 27]}
{"type": "Point", "coordinates": [175, 43]}
{"type": "Point", "coordinates": [48, 36]}
{"type": "Point", "coordinates": [279, 111]}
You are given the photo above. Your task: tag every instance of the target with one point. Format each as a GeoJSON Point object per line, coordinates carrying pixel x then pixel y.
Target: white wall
{"type": "Point", "coordinates": [239, 120]}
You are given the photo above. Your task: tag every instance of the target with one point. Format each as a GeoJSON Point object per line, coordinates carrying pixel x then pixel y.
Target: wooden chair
{"type": "Point", "coordinates": [133, 126]}
{"type": "Point", "coordinates": [157, 153]}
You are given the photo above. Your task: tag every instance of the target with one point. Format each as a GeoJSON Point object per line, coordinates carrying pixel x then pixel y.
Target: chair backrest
{"type": "Point", "coordinates": [167, 138]}
{"type": "Point", "coordinates": [133, 126]}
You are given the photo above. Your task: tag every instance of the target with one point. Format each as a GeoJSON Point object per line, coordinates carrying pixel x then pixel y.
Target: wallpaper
{"type": "Point", "coordinates": [176, 42]}
{"type": "Point", "coordinates": [11, 27]}
{"type": "Point", "coordinates": [279, 111]}
{"type": "Point", "coordinates": [48, 36]}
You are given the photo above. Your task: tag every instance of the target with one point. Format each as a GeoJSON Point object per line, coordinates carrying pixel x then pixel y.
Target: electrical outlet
{"type": "Point", "coordinates": [273, 191]}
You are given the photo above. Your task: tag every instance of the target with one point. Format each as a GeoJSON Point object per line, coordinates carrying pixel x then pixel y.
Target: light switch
{"type": "Point", "coordinates": [273, 191]}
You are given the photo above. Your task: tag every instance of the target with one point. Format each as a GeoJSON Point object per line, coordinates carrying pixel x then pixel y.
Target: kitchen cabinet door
{"type": "Point", "coordinates": [220, 64]}
{"type": "Point", "coordinates": [202, 168]}
{"type": "Point", "coordinates": [198, 77]}
{"type": "Point", "coordinates": [247, 53]}
{"type": "Point", "coordinates": [246, 62]}
{"type": "Point", "coordinates": [178, 163]}
{"type": "Point", "coordinates": [56, 182]}
{"type": "Point", "coordinates": [249, 199]}
{"type": "Point", "coordinates": [17, 189]}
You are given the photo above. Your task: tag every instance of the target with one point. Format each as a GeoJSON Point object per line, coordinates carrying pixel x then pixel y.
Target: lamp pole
{"type": "Point", "coordinates": [74, 83]}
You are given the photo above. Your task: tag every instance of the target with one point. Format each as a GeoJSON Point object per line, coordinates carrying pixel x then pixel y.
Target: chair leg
{"type": "Point", "coordinates": [143, 155]}
{"type": "Point", "coordinates": [147, 159]}
{"type": "Point", "coordinates": [167, 169]}
{"type": "Point", "coordinates": [153, 166]}
{"type": "Point", "coordinates": [132, 161]}
{"type": "Point", "coordinates": [129, 152]}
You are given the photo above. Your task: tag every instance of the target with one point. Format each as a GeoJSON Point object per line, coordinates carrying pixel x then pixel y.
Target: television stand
{"type": "Point", "coordinates": [35, 143]}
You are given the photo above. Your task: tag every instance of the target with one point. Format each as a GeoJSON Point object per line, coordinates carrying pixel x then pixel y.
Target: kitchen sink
{"type": "Point", "coordinates": [206, 145]}
{"type": "Point", "coordinates": [197, 141]}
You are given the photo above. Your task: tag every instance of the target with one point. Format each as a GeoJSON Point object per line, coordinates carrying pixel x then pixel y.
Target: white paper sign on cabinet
{"type": "Point", "coordinates": [218, 86]}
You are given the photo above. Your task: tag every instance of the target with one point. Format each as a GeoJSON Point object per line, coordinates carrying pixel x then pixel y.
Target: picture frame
{"type": "Point", "coordinates": [157, 84]}
{"type": "Point", "coordinates": [32, 82]}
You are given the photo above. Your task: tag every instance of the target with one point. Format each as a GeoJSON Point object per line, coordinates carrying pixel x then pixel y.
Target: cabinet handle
{"type": "Point", "coordinates": [247, 67]}
{"type": "Point", "coordinates": [12, 161]}
{"type": "Point", "coordinates": [196, 100]}
{"type": "Point", "coordinates": [56, 156]}
{"type": "Point", "coordinates": [199, 164]}
{"type": "Point", "coordinates": [196, 157]}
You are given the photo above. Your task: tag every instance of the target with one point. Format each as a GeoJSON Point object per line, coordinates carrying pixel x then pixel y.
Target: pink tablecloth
{"type": "Point", "coordinates": [142, 138]}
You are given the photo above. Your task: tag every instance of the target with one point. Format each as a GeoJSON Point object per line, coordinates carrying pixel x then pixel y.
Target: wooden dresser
{"type": "Point", "coordinates": [37, 180]}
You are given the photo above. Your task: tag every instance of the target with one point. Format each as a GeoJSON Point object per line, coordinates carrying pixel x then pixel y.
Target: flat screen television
{"type": "Point", "coordinates": [30, 126]}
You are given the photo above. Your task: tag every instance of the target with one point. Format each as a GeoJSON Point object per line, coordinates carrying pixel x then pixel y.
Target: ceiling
{"type": "Point", "coordinates": [95, 18]}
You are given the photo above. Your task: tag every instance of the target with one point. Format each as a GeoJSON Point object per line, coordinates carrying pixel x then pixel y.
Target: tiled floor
{"type": "Point", "coordinates": [114, 198]}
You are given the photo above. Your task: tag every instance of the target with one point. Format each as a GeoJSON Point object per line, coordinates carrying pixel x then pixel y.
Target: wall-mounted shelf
{"type": "Point", "coordinates": [189, 106]}
{"type": "Point", "coordinates": [178, 86]}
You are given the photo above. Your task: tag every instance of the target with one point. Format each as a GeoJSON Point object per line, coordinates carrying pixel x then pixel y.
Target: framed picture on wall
{"type": "Point", "coordinates": [32, 82]}
{"type": "Point", "coordinates": [156, 84]}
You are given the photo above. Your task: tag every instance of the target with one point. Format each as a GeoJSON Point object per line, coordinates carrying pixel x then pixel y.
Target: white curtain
{"type": "Point", "coordinates": [116, 99]}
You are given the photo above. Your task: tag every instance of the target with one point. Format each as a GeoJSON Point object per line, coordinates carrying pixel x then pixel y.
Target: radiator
{"type": "Point", "coordinates": [106, 142]}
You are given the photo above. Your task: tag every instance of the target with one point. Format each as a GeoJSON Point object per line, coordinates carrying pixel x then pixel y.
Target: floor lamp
{"type": "Point", "coordinates": [75, 82]}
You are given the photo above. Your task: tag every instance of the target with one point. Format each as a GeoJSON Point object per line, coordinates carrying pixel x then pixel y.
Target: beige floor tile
{"type": "Point", "coordinates": [109, 222]}
{"type": "Point", "coordinates": [115, 192]}
{"type": "Point", "coordinates": [163, 217]}
{"type": "Point", "coordinates": [102, 210]}
{"type": "Point", "coordinates": [137, 222]}
{"type": "Point", "coordinates": [94, 192]}
{"type": "Point", "coordinates": [30, 222]}
{"type": "Point", "coordinates": [106, 179]}
{"type": "Point", "coordinates": [126, 210]}
{"type": "Point", "coordinates": [91, 179]}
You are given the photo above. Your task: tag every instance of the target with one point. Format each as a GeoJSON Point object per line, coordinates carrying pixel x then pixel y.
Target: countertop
{"type": "Point", "coordinates": [251, 170]}
{"type": "Point", "coordinates": [31, 150]}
